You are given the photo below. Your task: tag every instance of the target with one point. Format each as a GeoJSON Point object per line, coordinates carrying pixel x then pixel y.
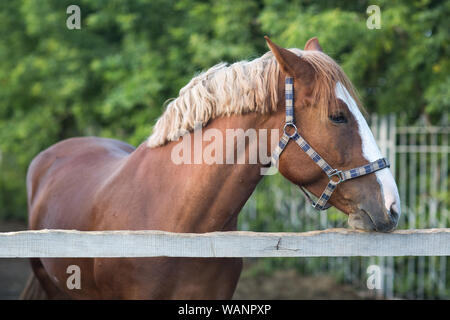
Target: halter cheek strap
{"type": "Point", "coordinates": [335, 176]}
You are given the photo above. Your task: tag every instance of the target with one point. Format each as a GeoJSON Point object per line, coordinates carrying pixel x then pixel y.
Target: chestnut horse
{"type": "Point", "coordinates": [93, 183]}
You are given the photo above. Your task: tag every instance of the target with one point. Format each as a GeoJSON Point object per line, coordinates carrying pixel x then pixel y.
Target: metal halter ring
{"type": "Point", "coordinates": [337, 173]}
{"type": "Point", "coordinates": [290, 124]}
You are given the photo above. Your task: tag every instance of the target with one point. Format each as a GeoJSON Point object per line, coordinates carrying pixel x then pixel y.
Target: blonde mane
{"type": "Point", "coordinates": [245, 86]}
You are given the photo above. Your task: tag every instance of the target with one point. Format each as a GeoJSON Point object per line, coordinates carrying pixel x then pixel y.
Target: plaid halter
{"type": "Point", "coordinates": [332, 174]}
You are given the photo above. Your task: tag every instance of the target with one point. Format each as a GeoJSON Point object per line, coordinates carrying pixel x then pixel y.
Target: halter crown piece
{"type": "Point", "coordinates": [335, 176]}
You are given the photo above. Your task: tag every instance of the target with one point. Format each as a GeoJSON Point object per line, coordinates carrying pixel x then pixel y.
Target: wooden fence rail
{"type": "Point", "coordinates": [330, 243]}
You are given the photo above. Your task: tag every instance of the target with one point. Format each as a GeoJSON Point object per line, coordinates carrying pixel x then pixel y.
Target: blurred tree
{"type": "Point", "coordinates": [112, 77]}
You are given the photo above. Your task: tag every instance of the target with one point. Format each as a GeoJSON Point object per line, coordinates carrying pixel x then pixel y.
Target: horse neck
{"type": "Point", "coordinates": [206, 197]}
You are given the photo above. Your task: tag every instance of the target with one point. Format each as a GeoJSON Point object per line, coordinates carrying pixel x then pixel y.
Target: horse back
{"type": "Point", "coordinates": [64, 178]}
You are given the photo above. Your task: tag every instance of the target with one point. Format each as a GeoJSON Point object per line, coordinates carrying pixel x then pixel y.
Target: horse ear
{"type": "Point", "coordinates": [290, 63]}
{"type": "Point", "coordinates": [313, 44]}
{"type": "Point", "coordinates": [286, 59]}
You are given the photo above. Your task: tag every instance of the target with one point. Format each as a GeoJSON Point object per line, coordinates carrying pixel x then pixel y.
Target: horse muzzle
{"type": "Point", "coordinates": [380, 220]}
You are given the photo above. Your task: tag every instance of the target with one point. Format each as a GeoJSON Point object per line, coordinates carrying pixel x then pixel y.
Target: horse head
{"type": "Point", "coordinates": [327, 117]}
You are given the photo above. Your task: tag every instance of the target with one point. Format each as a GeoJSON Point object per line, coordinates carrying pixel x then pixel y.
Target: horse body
{"type": "Point", "coordinates": [103, 184]}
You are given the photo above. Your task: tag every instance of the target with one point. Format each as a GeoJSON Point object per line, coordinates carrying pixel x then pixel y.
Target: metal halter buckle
{"type": "Point", "coordinates": [337, 173]}
{"type": "Point", "coordinates": [290, 124]}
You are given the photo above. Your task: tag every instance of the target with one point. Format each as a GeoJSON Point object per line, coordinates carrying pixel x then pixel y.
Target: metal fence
{"type": "Point", "coordinates": [419, 160]}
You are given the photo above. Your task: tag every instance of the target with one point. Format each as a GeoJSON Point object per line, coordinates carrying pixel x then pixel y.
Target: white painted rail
{"type": "Point", "coordinates": [330, 242]}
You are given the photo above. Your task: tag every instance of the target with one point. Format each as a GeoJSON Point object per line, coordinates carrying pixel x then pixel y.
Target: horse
{"type": "Point", "coordinates": [96, 184]}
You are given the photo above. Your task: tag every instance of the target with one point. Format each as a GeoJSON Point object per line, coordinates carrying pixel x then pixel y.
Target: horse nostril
{"type": "Point", "coordinates": [394, 212]}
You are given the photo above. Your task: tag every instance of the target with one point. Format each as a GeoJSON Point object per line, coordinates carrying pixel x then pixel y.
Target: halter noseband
{"type": "Point", "coordinates": [341, 176]}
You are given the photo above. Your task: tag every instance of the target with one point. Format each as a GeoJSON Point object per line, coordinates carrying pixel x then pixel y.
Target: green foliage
{"type": "Point", "coordinates": [112, 77]}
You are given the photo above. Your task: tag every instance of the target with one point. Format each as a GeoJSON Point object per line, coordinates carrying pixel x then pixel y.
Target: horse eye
{"type": "Point", "coordinates": [338, 118]}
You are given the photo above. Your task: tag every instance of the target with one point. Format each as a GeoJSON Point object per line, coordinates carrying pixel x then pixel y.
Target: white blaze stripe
{"type": "Point", "coordinates": [371, 151]}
